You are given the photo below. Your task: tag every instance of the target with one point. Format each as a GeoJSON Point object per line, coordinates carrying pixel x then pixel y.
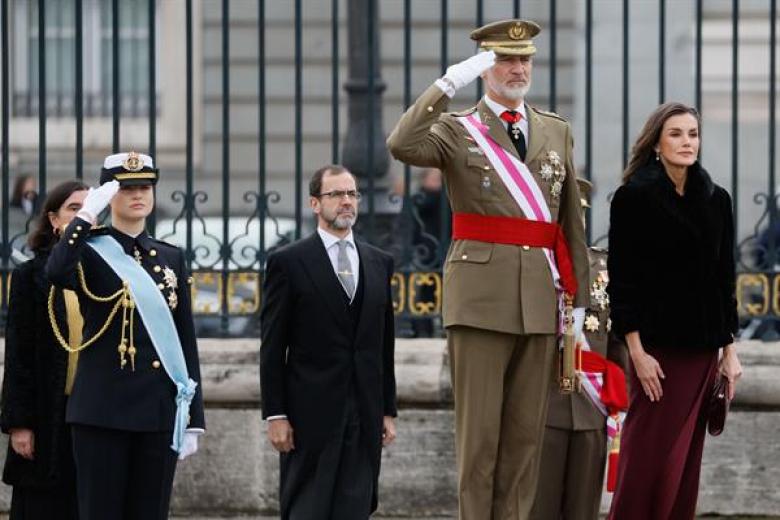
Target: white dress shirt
{"type": "Point", "coordinates": [498, 108]}
{"type": "Point", "coordinates": [331, 246]}
{"type": "Point", "coordinates": [330, 241]}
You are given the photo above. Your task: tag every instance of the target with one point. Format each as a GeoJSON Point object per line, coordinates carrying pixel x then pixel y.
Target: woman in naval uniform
{"type": "Point", "coordinates": [136, 405]}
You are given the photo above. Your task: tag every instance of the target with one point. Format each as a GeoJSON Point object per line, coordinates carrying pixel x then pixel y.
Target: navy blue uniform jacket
{"type": "Point", "coordinates": [105, 394]}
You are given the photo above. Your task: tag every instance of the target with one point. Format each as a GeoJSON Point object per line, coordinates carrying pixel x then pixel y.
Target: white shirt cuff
{"type": "Point", "coordinates": [446, 87]}
{"type": "Point", "coordinates": [275, 417]}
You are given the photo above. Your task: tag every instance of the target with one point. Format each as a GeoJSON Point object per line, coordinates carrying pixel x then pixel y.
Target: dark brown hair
{"type": "Point", "coordinates": [43, 237]}
{"type": "Point", "coordinates": [315, 184]}
{"type": "Point", "coordinates": [643, 151]}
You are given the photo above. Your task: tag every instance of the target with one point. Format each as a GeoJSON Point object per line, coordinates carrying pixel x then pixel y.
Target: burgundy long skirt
{"type": "Point", "coordinates": [662, 442]}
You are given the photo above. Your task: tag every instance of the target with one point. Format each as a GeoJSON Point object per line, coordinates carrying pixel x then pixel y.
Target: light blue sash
{"type": "Point", "coordinates": [159, 323]}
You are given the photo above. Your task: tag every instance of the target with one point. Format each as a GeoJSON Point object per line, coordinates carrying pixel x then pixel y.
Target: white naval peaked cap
{"type": "Point", "coordinates": [119, 159]}
{"type": "Point", "coordinates": [130, 169]}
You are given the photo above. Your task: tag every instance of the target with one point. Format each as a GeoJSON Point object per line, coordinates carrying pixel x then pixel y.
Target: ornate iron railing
{"type": "Point", "coordinates": [227, 248]}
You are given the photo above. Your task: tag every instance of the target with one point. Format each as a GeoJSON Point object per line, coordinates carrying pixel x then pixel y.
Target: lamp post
{"type": "Point", "coordinates": [365, 153]}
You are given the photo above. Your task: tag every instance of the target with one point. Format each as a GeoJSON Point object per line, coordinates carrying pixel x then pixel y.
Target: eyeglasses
{"type": "Point", "coordinates": [340, 194]}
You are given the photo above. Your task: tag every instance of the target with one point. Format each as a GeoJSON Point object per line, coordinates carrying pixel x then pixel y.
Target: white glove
{"type": "Point", "coordinates": [463, 73]}
{"type": "Point", "coordinates": [97, 200]}
{"type": "Point", "coordinates": [189, 445]}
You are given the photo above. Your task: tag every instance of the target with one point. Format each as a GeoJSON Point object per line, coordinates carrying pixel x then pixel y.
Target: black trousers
{"type": "Point", "coordinates": [123, 475]}
{"type": "Point", "coordinates": [336, 483]}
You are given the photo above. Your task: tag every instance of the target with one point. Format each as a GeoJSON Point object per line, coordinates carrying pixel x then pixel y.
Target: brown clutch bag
{"type": "Point", "coordinates": [718, 406]}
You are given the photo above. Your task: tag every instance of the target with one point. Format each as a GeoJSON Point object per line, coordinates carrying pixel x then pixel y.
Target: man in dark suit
{"type": "Point", "coordinates": [326, 360]}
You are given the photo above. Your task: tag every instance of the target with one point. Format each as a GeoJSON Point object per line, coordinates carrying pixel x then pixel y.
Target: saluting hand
{"type": "Point", "coordinates": [280, 433]}
{"type": "Point", "coordinates": [97, 200]}
{"type": "Point", "coordinates": [23, 442]}
{"type": "Point", "coordinates": [463, 73]}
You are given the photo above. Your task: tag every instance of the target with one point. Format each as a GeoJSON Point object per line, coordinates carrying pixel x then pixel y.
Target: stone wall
{"type": "Point", "coordinates": [236, 471]}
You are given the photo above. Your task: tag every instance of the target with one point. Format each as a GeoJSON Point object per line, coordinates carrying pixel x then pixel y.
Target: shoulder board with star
{"type": "Point", "coordinates": [546, 113]}
{"type": "Point", "coordinates": [463, 113]}
{"type": "Point", "coordinates": [98, 230]}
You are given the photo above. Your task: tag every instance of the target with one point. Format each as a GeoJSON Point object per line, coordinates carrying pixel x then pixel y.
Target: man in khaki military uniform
{"type": "Point", "coordinates": [575, 440]}
{"type": "Point", "coordinates": [511, 186]}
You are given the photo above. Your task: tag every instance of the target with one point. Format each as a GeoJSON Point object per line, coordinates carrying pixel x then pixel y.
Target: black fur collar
{"type": "Point", "coordinates": [653, 181]}
{"type": "Point", "coordinates": [698, 185]}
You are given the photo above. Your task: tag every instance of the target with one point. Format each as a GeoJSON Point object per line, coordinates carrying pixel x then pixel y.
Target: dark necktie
{"type": "Point", "coordinates": [513, 118]}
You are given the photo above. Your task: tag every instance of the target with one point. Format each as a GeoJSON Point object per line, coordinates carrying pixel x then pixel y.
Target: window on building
{"type": "Point", "coordinates": [97, 62]}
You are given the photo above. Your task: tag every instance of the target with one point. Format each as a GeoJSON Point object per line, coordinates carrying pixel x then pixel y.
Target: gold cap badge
{"type": "Point", "coordinates": [517, 32]}
{"type": "Point", "coordinates": [133, 163]}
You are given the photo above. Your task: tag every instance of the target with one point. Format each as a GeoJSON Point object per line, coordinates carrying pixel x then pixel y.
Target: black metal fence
{"type": "Point", "coordinates": [46, 39]}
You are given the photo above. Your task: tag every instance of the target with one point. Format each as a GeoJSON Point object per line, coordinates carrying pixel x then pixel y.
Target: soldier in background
{"type": "Point", "coordinates": [575, 440]}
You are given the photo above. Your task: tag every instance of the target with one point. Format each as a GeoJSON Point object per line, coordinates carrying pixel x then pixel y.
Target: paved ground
{"type": "Point", "coordinates": [5, 517]}
{"type": "Point", "coordinates": [451, 518]}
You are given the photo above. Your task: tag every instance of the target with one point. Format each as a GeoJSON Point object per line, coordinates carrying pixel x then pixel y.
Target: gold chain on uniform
{"type": "Point", "coordinates": [123, 299]}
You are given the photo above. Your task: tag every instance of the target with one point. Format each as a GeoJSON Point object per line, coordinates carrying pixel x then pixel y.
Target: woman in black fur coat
{"type": "Point", "coordinates": [38, 374]}
{"type": "Point", "coordinates": [672, 296]}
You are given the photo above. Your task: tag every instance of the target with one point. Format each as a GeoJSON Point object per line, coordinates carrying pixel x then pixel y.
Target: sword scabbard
{"type": "Point", "coordinates": [567, 380]}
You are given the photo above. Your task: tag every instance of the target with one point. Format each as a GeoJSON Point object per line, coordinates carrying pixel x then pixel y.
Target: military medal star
{"type": "Point", "coordinates": [556, 189]}
{"type": "Point", "coordinates": [547, 172]}
{"type": "Point", "coordinates": [170, 279]}
{"type": "Point", "coordinates": [592, 323]}
{"type": "Point", "coordinates": [173, 300]}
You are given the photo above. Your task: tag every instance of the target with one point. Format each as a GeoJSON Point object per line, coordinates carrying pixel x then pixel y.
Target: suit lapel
{"type": "Point", "coordinates": [372, 283]}
{"type": "Point", "coordinates": [538, 135]}
{"type": "Point", "coordinates": [496, 126]}
{"type": "Point", "coordinates": [317, 264]}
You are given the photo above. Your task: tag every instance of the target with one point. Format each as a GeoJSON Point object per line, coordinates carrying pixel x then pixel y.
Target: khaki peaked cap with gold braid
{"type": "Point", "coordinates": [509, 37]}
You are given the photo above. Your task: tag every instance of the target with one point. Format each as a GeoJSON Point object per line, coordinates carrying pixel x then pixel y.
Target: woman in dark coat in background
{"type": "Point", "coordinates": [38, 374]}
{"type": "Point", "coordinates": [672, 295]}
